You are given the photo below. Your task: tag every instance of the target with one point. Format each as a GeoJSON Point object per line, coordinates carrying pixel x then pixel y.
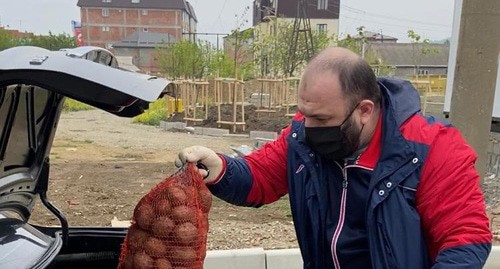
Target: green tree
{"type": "Point", "coordinates": [6, 40]}
{"type": "Point", "coordinates": [188, 59]}
{"type": "Point", "coordinates": [421, 48]}
{"type": "Point", "coordinates": [271, 49]}
{"type": "Point", "coordinates": [50, 42]}
{"type": "Point", "coordinates": [361, 46]}
{"type": "Point", "coordinates": [357, 45]}
{"type": "Point", "coordinates": [239, 47]}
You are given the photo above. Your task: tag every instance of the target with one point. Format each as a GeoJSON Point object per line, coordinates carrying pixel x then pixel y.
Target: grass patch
{"type": "Point", "coordinates": [73, 105]}
{"type": "Point", "coordinates": [157, 112]}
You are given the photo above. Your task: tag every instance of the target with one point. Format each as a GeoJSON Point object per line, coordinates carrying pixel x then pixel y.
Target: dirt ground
{"type": "Point", "coordinates": [101, 165]}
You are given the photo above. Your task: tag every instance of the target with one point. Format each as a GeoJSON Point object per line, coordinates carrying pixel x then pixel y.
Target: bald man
{"type": "Point", "coordinates": [372, 182]}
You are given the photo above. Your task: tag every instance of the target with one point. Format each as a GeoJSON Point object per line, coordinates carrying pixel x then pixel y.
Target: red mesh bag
{"type": "Point", "coordinates": [170, 225]}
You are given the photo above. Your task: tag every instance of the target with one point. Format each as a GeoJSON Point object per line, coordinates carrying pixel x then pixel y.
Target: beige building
{"type": "Point", "coordinates": [270, 14]}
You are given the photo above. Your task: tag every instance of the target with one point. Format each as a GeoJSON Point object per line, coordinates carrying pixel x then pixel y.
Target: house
{"type": "Point", "coordinates": [409, 59]}
{"type": "Point", "coordinates": [141, 47]}
{"type": "Point", "coordinates": [323, 14]}
{"type": "Point", "coordinates": [105, 22]}
{"type": "Point", "coordinates": [134, 28]}
{"type": "Point", "coordinates": [372, 37]}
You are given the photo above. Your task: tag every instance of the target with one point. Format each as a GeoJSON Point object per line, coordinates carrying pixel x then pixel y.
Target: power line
{"type": "Point", "coordinates": [376, 15]}
{"type": "Point", "coordinates": [400, 26]}
{"type": "Point", "coordinates": [355, 10]}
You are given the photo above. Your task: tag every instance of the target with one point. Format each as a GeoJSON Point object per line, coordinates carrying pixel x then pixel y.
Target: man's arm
{"type": "Point", "coordinates": [451, 204]}
{"type": "Point", "coordinates": [257, 179]}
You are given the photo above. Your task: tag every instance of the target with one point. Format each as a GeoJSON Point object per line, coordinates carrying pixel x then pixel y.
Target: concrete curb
{"type": "Point", "coordinates": [258, 258]}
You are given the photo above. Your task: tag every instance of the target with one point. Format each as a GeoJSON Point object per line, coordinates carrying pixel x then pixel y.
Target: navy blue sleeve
{"type": "Point", "coordinates": [236, 183]}
{"type": "Point", "coordinates": [467, 256]}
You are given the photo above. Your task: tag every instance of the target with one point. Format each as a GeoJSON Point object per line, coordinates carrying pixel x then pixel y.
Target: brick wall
{"type": "Point", "coordinates": [119, 23]}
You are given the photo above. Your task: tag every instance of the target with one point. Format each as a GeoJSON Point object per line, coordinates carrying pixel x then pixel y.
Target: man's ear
{"type": "Point", "coordinates": [367, 108]}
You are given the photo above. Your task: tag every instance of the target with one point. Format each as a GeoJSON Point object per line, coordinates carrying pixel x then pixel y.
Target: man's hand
{"type": "Point", "coordinates": [201, 155]}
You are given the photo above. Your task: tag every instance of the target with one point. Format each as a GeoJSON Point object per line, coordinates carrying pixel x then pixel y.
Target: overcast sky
{"type": "Point", "coordinates": [430, 18]}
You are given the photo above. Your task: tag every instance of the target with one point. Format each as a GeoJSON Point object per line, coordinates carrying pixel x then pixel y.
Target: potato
{"type": "Point", "coordinates": [162, 206]}
{"type": "Point", "coordinates": [162, 226]}
{"type": "Point", "coordinates": [128, 262]}
{"type": "Point", "coordinates": [183, 256]}
{"type": "Point", "coordinates": [136, 237]}
{"type": "Point", "coordinates": [186, 233]}
{"type": "Point", "coordinates": [163, 264]}
{"type": "Point", "coordinates": [176, 195]}
{"type": "Point", "coordinates": [143, 261]}
{"type": "Point", "coordinates": [155, 247]}
{"type": "Point", "coordinates": [205, 199]}
{"type": "Point", "coordinates": [183, 214]}
{"type": "Point", "coordinates": [191, 192]}
{"type": "Point", "coordinates": [144, 215]}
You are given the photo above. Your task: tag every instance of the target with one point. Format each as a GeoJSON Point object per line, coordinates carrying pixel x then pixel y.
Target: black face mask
{"type": "Point", "coordinates": [334, 142]}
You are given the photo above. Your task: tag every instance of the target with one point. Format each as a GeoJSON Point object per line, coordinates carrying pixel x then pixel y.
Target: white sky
{"type": "Point", "coordinates": [430, 18]}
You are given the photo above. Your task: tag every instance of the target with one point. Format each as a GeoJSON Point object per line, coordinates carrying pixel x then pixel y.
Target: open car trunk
{"type": "Point", "coordinates": [33, 85]}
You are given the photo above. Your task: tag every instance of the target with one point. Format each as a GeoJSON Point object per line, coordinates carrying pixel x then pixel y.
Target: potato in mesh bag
{"type": "Point", "coordinates": [170, 225]}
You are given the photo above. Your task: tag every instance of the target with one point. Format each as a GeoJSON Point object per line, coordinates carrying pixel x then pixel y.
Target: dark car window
{"type": "Point", "coordinates": [26, 127]}
{"type": "Point", "coordinates": [5, 105]}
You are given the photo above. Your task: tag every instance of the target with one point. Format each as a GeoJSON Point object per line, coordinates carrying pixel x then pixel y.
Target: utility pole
{"type": "Point", "coordinates": [476, 74]}
{"type": "Point", "coordinates": [301, 25]}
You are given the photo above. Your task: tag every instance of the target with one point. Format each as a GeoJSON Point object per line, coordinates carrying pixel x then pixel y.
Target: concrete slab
{"type": "Point", "coordinates": [210, 131]}
{"type": "Point", "coordinates": [198, 130]}
{"type": "Point", "coordinates": [254, 258]}
{"type": "Point", "coordinates": [180, 125]}
{"type": "Point", "coordinates": [263, 134]}
{"type": "Point", "coordinates": [284, 259]}
{"type": "Point", "coordinates": [237, 135]}
{"type": "Point", "coordinates": [215, 132]}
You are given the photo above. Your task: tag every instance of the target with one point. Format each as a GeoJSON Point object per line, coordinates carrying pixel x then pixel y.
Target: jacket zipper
{"type": "Point", "coordinates": [340, 223]}
{"type": "Point", "coordinates": [342, 212]}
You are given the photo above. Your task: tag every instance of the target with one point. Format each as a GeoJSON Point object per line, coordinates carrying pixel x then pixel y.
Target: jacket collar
{"type": "Point", "coordinates": [400, 102]}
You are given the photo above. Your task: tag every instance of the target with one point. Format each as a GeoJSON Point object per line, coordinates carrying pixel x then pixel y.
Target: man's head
{"type": "Point", "coordinates": [340, 99]}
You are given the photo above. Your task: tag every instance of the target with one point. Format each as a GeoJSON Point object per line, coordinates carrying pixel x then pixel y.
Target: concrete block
{"type": "Point", "coordinates": [179, 125]}
{"type": "Point", "coordinates": [168, 125]}
{"type": "Point", "coordinates": [493, 261]}
{"type": "Point", "coordinates": [254, 258]}
{"type": "Point", "coordinates": [284, 259]}
{"type": "Point", "coordinates": [237, 135]}
{"type": "Point", "coordinates": [163, 124]}
{"type": "Point", "coordinates": [198, 130]}
{"type": "Point", "coordinates": [262, 134]}
{"type": "Point", "coordinates": [215, 132]}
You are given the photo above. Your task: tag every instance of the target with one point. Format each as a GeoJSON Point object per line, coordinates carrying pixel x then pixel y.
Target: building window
{"type": "Point", "coordinates": [145, 30]}
{"type": "Point", "coordinates": [105, 12]}
{"type": "Point", "coordinates": [136, 1]}
{"type": "Point", "coordinates": [323, 4]}
{"type": "Point", "coordinates": [105, 28]}
{"type": "Point", "coordinates": [144, 12]}
{"type": "Point", "coordinates": [423, 72]}
{"type": "Point", "coordinates": [321, 28]}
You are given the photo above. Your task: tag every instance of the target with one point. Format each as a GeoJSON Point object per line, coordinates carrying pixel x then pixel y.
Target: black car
{"type": "Point", "coordinates": [33, 85]}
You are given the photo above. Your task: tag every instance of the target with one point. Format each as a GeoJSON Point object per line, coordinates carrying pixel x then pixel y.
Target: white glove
{"type": "Point", "coordinates": [205, 156]}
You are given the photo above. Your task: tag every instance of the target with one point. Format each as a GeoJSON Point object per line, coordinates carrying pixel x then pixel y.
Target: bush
{"type": "Point", "coordinates": [73, 105]}
{"type": "Point", "coordinates": [157, 112]}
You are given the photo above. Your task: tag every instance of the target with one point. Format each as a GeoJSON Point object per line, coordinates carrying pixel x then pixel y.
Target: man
{"type": "Point", "coordinates": [372, 182]}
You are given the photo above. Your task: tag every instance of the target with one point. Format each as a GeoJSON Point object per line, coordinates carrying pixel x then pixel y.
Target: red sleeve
{"type": "Point", "coordinates": [449, 199]}
{"type": "Point", "coordinates": [268, 167]}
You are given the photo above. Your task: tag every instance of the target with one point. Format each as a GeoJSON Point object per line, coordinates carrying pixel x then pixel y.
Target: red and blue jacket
{"type": "Point", "coordinates": [411, 200]}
